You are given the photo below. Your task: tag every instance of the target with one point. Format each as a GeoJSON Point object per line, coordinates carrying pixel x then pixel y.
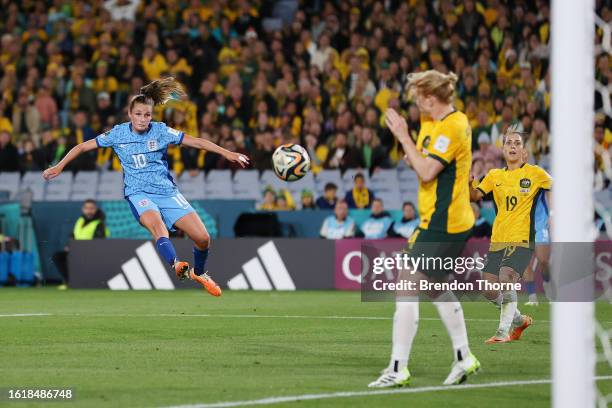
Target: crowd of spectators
{"type": "Point", "coordinates": [67, 68]}
{"type": "Point", "coordinates": [379, 224]}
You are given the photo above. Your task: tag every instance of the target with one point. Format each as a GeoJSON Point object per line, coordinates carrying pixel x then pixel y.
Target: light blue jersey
{"type": "Point", "coordinates": [376, 227]}
{"type": "Point", "coordinates": [148, 183]}
{"type": "Point", "coordinates": [143, 157]}
{"type": "Point", "coordinates": [334, 229]}
{"type": "Point", "coordinates": [542, 235]}
{"type": "Point", "coordinates": [405, 229]}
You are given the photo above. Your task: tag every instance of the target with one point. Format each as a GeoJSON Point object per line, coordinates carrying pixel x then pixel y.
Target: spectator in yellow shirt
{"type": "Point", "coordinates": [177, 65]}
{"type": "Point", "coordinates": [104, 82]}
{"type": "Point", "coordinates": [153, 63]}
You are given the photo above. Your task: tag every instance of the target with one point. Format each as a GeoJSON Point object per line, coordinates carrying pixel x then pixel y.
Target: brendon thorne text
{"type": "Point", "coordinates": [425, 285]}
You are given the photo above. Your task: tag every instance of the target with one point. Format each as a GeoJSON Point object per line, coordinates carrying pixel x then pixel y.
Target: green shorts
{"type": "Point", "coordinates": [514, 257]}
{"type": "Point", "coordinates": [436, 245]}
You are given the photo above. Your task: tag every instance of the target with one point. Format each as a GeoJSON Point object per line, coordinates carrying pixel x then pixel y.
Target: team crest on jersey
{"type": "Point", "coordinates": [143, 202]}
{"type": "Point", "coordinates": [426, 141]}
{"type": "Point", "coordinates": [442, 143]}
{"type": "Point", "coordinates": [152, 145]}
{"type": "Point", "coordinates": [525, 185]}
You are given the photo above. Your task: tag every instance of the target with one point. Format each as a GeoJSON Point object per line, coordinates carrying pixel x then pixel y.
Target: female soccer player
{"type": "Point", "coordinates": [516, 191]}
{"type": "Point", "coordinates": [442, 158]}
{"type": "Point", "coordinates": [541, 256]}
{"type": "Point", "coordinates": [149, 188]}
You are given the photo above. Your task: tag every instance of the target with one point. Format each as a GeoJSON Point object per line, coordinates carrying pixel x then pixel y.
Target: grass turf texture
{"type": "Point", "coordinates": [113, 349]}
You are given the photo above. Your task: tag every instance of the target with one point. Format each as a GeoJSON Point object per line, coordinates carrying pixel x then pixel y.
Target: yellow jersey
{"type": "Point", "coordinates": [444, 203]}
{"type": "Point", "coordinates": [515, 193]}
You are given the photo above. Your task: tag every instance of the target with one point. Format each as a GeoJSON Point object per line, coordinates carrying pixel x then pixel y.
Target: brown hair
{"type": "Point", "coordinates": [434, 83]}
{"type": "Point", "coordinates": [157, 92]}
{"type": "Point", "coordinates": [514, 128]}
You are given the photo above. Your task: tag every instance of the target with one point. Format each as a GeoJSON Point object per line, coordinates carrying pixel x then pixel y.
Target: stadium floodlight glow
{"type": "Point", "coordinates": [573, 87]}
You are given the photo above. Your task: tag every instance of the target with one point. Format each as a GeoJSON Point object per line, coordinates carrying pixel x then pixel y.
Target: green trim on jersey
{"type": "Point", "coordinates": [438, 158]}
{"type": "Point", "coordinates": [444, 197]}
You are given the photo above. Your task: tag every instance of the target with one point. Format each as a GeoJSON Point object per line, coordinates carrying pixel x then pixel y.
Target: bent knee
{"type": "Point", "coordinates": [507, 275]}
{"type": "Point", "coordinates": [491, 295]}
{"type": "Point", "coordinates": [543, 261]}
{"type": "Point", "coordinates": [202, 241]}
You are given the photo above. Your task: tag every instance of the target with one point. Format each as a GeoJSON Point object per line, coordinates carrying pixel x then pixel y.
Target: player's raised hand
{"type": "Point", "coordinates": [52, 172]}
{"type": "Point", "coordinates": [397, 125]}
{"type": "Point", "coordinates": [239, 158]}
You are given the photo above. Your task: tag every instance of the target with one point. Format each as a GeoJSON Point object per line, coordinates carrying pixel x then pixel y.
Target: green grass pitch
{"type": "Point", "coordinates": [143, 349]}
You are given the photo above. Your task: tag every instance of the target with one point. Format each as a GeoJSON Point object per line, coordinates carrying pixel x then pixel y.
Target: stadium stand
{"type": "Point", "coordinates": [320, 69]}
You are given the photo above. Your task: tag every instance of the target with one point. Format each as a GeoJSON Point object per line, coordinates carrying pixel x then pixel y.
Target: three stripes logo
{"type": "Point", "coordinates": [267, 271]}
{"type": "Point", "coordinates": [143, 272]}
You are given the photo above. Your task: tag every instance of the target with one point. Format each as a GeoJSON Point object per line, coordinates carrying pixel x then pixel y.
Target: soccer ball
{"type": "Point", "coordinates": [291, 162]}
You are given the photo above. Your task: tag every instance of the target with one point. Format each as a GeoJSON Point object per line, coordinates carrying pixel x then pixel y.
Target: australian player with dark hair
{"type": "Point", "coordinates": [517, 189]}
{"type": "Point", "coordinates": [150, 190]}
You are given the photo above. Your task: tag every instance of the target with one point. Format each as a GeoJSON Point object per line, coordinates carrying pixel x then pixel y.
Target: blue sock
{"type": "Point", "coordinates": [166, 250]}
{"type": "Point", "coordinates": [199, 260]}
{"type": "Point", "coordinates": [531, 287]}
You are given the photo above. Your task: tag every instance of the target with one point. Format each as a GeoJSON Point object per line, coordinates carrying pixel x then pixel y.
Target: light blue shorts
{"type": "Point", "coordinates": [542, 235]}
{"type": "Point", "coordinates": [170, 207]}
{"type": "Point", "coordinates": [542, 232]}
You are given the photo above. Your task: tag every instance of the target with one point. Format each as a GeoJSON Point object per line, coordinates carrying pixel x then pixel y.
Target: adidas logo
{"type": "Point", "coordinates": [143, 272]}
{"type": "Point", "coordinates": [254, 274]}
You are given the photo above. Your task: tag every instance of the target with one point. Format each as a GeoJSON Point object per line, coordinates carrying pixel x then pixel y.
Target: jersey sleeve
{"type": "Point", "coordinates": [486, 185]}
{"type": "Point", "coordinates": [443, 146]}
{"type": "Point", "coordinates": [170, 135]}
{"type": "Point", "coordinates": [543, 178]}
{"type": "Point", "coordinates": [109, 138]}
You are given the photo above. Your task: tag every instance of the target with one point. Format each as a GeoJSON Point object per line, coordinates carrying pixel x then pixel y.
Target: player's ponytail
{"type": "Point", "coordinates": [433, 83]}
{"type": "Point", "coordinates": [158, 92]}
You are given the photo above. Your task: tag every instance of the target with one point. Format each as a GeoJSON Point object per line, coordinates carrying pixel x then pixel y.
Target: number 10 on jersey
{"type": "Point", "coordinates": [139, 160]}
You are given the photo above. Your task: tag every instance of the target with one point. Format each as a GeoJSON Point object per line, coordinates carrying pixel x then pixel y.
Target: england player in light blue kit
{"type": "Point", "coordinates": [150, 190]}
{"type": "Point", "coordinates": [541, 256]}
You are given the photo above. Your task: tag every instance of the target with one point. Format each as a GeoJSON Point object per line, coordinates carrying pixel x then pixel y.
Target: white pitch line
{"type": "Point", "coordinates": [25, 314]}
{"type": "Point", "coordinates": [245, 316]}
{"type": "Point", "coordinates": [346, 394]}
{"type": "Point", "coordinates": [248, 316]}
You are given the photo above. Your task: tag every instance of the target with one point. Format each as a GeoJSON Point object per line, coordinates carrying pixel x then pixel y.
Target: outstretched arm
{"type": "Point", "coordinates": [426, 167]}
{"type": "Point", "coordinates": [209, 146]}
{"type": "Point", "coordinates": [56, 170]}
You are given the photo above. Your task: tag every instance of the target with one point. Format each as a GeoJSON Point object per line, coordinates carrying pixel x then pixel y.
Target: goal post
{"type": "Point", "coordinates": [572, 116]}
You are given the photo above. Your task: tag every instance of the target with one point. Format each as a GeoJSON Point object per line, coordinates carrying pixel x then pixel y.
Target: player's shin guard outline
{"type": "Point", "coordinates": [405, 326]}
{"type": "Point", "coordinates": [451, 313]}
{"type": "Point", "coordinates": [166, 250]}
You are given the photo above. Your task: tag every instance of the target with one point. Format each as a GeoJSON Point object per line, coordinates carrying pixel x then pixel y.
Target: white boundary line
{"type": "Point", "coordinates": [346, 394]}
{"type": "Point", "coordinates": [240, 316]}
{"type": "Point", "coordinates": [25, 314]}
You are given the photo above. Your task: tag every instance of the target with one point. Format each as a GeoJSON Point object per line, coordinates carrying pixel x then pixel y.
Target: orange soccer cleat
{"type": "Point", "coordinates": [182, 269]}
{"type": "Point", "coordinates": [498, 338]}
{"type": "Point", "coordinates": [205, 280]}
{"type": "Point", "coordinates": [517, 332]}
